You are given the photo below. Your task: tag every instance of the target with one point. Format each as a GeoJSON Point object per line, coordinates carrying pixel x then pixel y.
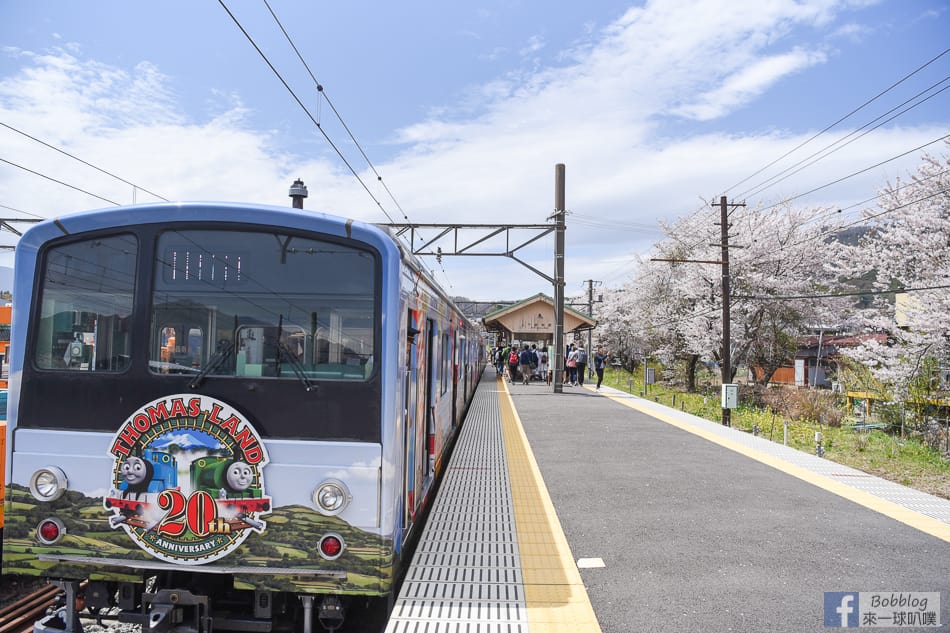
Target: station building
{"type": "Point", "coordinates": [532, 321]}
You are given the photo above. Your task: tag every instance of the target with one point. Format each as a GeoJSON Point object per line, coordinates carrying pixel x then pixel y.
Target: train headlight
{"type": "Point", "coordinates": [50, 530]}
{"type": "Point", "coordinates": [331, 497]}
{"type": "Point", "coordinates": [48, 483]}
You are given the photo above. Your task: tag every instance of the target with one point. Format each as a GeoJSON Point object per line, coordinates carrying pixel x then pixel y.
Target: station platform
{"type": "Point", "coordinates": [590, 511]}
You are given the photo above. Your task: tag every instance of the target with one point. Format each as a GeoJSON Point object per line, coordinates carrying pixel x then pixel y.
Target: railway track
{"type": "Point", "coordinates": [19, 616]}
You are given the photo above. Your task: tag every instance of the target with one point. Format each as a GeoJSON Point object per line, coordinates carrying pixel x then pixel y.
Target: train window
{"type": "Point", "coordinates": [86, 305]}
{"type": "Point", "coordinates": [263, 304]}
{"type": "Point", "coordinates": [181, 346]}
{"type": "Point", "coordinates": [446, 363]}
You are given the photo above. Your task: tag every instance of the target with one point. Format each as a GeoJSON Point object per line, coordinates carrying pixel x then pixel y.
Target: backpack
{"type": "Point", "coordinates": [544, 357]}
{"type": "Point", "coordinates": [513, 358]}
{"type": "Point", "coordinates": [581, 356]}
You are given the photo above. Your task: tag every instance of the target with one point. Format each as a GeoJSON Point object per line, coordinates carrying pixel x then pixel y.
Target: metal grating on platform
{"type": "Point", "coordinates": [466, 575]}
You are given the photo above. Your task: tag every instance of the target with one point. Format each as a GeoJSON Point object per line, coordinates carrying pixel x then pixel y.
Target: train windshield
{"type": "Point", "coordinates": [259, 304]}
{"type": "Point", "coordinates": [86, 305]}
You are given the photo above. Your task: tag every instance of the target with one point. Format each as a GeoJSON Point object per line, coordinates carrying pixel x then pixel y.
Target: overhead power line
{"type": "Point", "coordinates": [88, 164]}
{"type": "Point", "coordinates": [65, 184]}
{"type": "Point", "coordinates": [837, 212]}
{"type": "Point", "coordinates": [838, 294]}
{"type": "Point", "coordinates": [841, 143]}
{"type": "Point", "coordinates": [840, 120]}
{"type": "Point", "coordinates": [857, 173]}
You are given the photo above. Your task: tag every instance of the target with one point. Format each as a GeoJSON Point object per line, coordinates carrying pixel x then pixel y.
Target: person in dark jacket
{"type": "Point", "coordinates": [600, 363]}
{"type": "Point", "coordinates": [524, 359]}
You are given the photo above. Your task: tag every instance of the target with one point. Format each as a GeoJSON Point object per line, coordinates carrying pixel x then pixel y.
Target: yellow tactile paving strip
{"type": "Point", "coordinates": [556, 599]}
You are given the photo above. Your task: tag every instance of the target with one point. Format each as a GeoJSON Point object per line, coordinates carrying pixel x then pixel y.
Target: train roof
{"type": "Point", "coordinates": [237, 212]}
{"type": "Point", "coordinates": [378, 235]}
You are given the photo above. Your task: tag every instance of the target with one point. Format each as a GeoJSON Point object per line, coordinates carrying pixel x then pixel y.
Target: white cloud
{"type": "Point", "coordinates": [853, 32]}
{"type": "Point", "coordinates": [748, 83]}
{"type": "Point", "coordinates": [488, 158]}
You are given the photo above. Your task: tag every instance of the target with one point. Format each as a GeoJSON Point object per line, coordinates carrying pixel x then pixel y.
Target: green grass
{"type": "Point", "coordinates": [905, 461]}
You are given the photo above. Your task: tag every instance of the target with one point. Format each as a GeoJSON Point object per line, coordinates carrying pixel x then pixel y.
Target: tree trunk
{"type": "Point", "coordinates": [691, 362]}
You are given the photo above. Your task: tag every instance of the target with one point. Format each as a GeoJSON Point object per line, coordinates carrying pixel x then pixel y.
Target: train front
{"type": "Point", "coordinates": [196, 414]}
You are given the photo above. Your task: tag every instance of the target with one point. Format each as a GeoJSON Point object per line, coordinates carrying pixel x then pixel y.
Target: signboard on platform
{"type": "Point", "coordinates": [730, 396]}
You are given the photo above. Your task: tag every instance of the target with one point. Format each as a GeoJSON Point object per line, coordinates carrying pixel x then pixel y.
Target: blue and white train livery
{"type": "Point", "coordinates": [244, 407]}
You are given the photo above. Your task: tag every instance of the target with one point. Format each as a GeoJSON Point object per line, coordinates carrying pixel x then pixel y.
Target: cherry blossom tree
{"type": "Point", "coordinates": [908, 248]}
{"type": "Point", "coordinates": [782, 256]}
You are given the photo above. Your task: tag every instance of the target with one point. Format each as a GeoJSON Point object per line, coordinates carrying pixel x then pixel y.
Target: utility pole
{"type": "Point", "coordinates": [726, 351]}
{"type": "Point", "coordinates": [559, 212]}
{"type": "Point", "coordinates": [726, 334]}
{"type": "Point", "coordinates": [590, 333]}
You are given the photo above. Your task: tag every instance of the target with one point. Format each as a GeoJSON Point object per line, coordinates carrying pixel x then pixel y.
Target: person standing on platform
{"type": "Point", "coordinates": [543, 366]}
{"type": "Point", "coordinates": [600, 363]}
{"type": "Point", "coordinates": [525, 362]}
{"type": "Point", "coordinates": [580, 365]}
{"type": "Point", "coordinates": [569, 376]}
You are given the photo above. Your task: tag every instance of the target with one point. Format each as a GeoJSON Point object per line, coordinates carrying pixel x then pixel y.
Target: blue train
{"type": "Point", "coordinates": [305, 358]}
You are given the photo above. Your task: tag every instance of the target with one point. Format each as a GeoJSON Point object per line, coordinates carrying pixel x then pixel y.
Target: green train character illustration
{"type": "Point", "coordinates": [231, 482]}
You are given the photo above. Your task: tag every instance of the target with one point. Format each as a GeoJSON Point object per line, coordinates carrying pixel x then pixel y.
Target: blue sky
{"type": "Point", "coordinates": [464, 109]}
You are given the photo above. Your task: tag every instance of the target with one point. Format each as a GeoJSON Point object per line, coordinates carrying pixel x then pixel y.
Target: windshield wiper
{"type": "Point", "coordinates": [217, 359]}
{"type": "Point", "coordinates": [296, 366]}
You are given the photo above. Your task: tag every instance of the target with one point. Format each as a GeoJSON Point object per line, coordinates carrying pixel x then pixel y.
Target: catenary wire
{"type": "Point", "coordinates": [304, 108]}
{"type": "Point", "coordinates": [35, 215]}
{"type": "Point", "coordinates": [310, 115]}
{"type": "Point", "coordinates": [322, 92]}
{"type": "Point", "coordinates": [339, 117]}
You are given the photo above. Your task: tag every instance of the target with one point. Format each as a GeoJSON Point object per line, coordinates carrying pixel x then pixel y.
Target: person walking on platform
{"type": "Point", "coordinates": [580, 365]}
{"type": "Point", "coordinates": [600, 363]}
{"type": "Point", "coordinates": [513, 364]}
{"type": "Point", "coordinates": [525, 362]}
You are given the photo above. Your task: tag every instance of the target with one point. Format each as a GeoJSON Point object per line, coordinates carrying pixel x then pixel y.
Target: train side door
{"type": "Point", "coordinates": [409, 398]}
{"type": "Point", "coordinates": [452, 342]}
{"type": "Point", "coordinates": [430, 397]}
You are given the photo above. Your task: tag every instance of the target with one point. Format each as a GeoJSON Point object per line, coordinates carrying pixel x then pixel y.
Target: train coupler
{"type": "Point", "coordinates": [330, 613]}
{"type": "Point", "coordinates": [172, 611]}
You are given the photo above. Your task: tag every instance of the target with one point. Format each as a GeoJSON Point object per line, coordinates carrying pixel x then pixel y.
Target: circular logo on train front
{"type": "Point", "coordinates": [188, 481]}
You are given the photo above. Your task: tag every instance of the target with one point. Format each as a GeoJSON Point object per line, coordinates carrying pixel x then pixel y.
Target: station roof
{"type": "Point", "coordinates": [534, 317]}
